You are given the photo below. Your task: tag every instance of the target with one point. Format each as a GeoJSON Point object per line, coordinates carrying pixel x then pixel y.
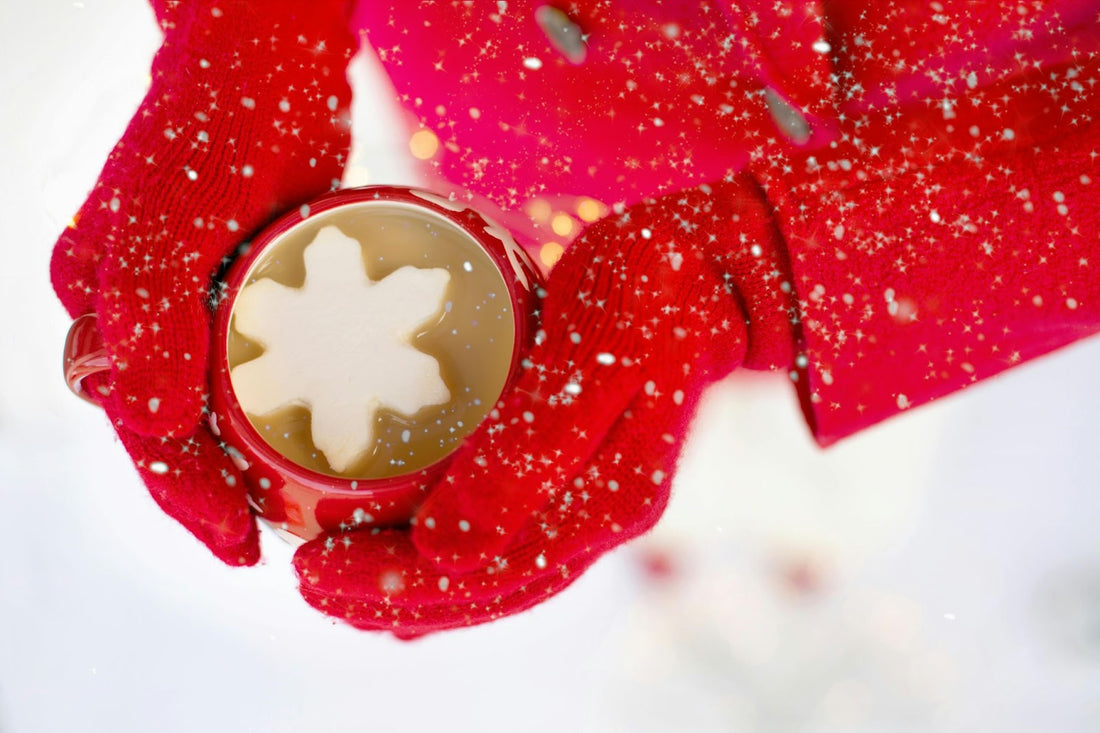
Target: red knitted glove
{"type": "Point", "coordinates": [643, 312]}
{"type": "Point", "coordinates": [245, 118]}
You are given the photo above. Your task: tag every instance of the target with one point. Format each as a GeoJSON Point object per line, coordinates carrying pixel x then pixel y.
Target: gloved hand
{"type": "Point", "coordinates": [943, 236]}
{"type": "Point", "coordinates": [642, 313]}
{"type": "Point", "coordinates": [246, 117]}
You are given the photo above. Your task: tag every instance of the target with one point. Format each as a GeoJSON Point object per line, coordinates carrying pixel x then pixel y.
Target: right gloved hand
{"type": "Point", "coordinates": [246, 118]}
{"type": "Point", "coordinates": [644, 311]}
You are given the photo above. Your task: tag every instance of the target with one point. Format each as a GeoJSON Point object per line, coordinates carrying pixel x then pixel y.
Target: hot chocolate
{"type": "Point", "coordinates": [369, 340]}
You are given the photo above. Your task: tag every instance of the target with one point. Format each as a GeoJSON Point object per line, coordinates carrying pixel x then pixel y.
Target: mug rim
{"type": "Point", "coordinates": [237, 273]}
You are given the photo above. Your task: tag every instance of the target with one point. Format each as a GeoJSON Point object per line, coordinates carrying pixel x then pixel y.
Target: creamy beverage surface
{"type": "Point", "coordinates": [368, 341]}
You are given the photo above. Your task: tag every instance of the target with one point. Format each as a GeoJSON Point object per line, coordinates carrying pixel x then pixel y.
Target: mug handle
{"type": "Point", "coordinates": [85, 355]}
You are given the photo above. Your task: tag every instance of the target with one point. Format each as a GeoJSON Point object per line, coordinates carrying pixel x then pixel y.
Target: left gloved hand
{"type": "Point", "coordinates": [245, 117]}
{"type": "Point", "coordinates": [642, 313]}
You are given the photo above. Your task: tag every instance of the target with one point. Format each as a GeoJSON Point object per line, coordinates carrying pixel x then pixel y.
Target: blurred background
{"type": "Point", "coordinates": [938, 573]}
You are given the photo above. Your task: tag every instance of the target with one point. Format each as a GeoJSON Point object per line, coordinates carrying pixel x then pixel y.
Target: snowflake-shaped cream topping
{"type": "Point", "coordinates": [340, 345]}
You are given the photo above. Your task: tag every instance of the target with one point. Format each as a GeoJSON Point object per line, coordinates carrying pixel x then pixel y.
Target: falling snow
{"type": "Point", "coordinates": [908, 196]}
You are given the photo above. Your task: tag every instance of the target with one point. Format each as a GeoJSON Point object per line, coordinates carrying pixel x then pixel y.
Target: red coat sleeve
{"type": "Point", "coordinates": [952, 229]}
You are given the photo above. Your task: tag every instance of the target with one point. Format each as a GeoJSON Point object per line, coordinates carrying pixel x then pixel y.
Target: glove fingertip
{"type": "Point", "coordinates": [302, 562]}
{"type": "Point", "coordinates": [244, 553]}
{"type": "Point", "coordinates": [193, 481]}
{"type": "Point", "coordinates": [221, 520]}
{"type": "Point", "coordinates": [406, 635]}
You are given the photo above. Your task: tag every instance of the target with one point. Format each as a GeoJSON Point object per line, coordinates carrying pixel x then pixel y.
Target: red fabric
{"type": "Point", "coordinates": [917, 263]}
{"type": "Point", "coordinates": [669, 96]}
{"type": "Point", "coordinates": [939, 222]}
{"type": "Point", "coordinates": [937, 243]}
{"type": "Point", "coordinates": [641, 314]}
{"type": "Point", "coordinates": [212, 154]}
{"type": "Point", "coordinates": [914, 51]}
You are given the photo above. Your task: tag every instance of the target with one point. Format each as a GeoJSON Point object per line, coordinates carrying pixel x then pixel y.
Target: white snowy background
{"type": "Point", "coordinates": [938, 573]}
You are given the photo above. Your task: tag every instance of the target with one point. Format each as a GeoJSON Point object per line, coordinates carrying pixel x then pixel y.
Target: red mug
{"type": "Point", "coordinates": [302, 500]}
